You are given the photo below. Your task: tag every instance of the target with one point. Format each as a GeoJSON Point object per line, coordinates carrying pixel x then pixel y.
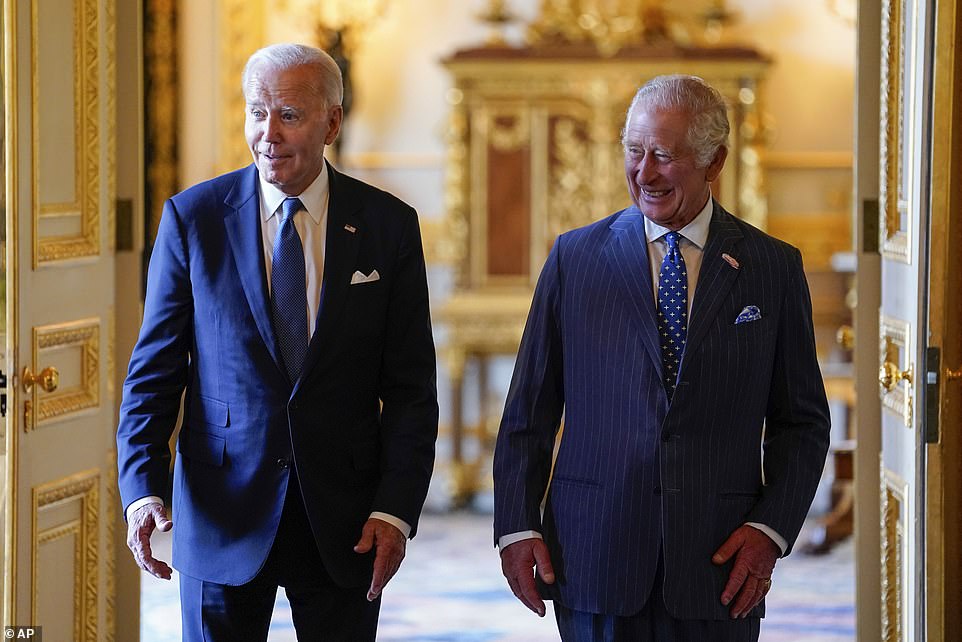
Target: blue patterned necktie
{"type": "Point", "coordinates": [289, 291]}
{"type": "Point", "coordinates": [672, 310]}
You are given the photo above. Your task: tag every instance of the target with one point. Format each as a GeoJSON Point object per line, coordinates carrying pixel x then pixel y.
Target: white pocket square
{"type": "Point", "coordinates": [360, 277]}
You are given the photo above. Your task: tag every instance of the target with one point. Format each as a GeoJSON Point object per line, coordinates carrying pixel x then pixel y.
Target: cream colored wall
{"type": "Point", "coordinates": [395, 136]}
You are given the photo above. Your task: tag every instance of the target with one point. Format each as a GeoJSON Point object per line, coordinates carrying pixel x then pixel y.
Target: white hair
{"type": "Point", "coordinates": [280, 57]}
{"type": "Point", "coordinates": [709, 128]}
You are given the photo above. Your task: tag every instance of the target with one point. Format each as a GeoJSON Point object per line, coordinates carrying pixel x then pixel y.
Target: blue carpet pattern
{"type": "Point", "coordinates": [450, 589]}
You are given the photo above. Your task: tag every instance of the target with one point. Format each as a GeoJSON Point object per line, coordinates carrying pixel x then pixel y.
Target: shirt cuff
{"type": "Point", "coordinates": [399, 524]}
{"type": "Point", "coordinates": [775, 537]}
{"type": "Point", "coordinates": [507, 540]}
{"type": "Point", "coordinates": [143, 501]}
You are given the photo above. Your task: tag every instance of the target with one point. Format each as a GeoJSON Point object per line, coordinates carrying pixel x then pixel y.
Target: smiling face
{"type": "Point", "coordinates": [288, 124]}
{"type": "Point", "coordinates": [664, 179]}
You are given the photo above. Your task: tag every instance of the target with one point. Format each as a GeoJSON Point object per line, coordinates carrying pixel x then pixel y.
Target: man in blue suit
{"type": "Point", "coordinates": [690, 452]}
{"type": "Point", "coordinates": [287, 303]}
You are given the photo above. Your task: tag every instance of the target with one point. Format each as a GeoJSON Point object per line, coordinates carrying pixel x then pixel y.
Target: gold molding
{"type": "Point", "coordinates": [896, 347]}
{"type": "Point", "coordinates": [895, 136]}
{"type": "Point", "coordinates": [11, 312]}
{"type": "Point", "coordinates": [160, 56]}
{"type": "Point", "coordinates": [86, 142]}
{"type": "Point", "coordinates": [894, 527]}
{"type": "Point", "coordinates": [85, 488]}
{"type": "Point", "coordinates": [111, 501]}
{"type": "Point", "coordinates": [111, 356]}
{"type": "Point", "coordinates": [242, 33]}
{"type": "Point", "coordinates": [110, 71]}
{"type": "Point", "coordinates": [58, 405]}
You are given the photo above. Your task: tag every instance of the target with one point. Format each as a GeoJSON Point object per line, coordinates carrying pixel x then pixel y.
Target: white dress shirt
{"type": "Point", "coordinates": [692, 244]}
{"type": "Point", "coordinates": [312, 228]}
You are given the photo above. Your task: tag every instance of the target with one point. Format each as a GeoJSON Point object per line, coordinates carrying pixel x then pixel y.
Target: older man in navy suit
{"type": "Point", "coordinates": [288, 304]}
{"type": "Point", "coordinates": [691, 450]}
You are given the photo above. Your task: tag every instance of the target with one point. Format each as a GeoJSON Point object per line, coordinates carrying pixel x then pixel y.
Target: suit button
{"type": "Point", "coordinates": [658, 490]}
{"type": "Point", "coordinates": [666, 436]}
{"type": "Point", "coordinates": [282, 462]}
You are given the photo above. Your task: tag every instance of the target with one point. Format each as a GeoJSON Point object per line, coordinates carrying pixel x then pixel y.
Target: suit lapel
{"type": "Point", "coordinates": [242, 222]}
{"type": "Point", "coordinates": [715, 278]}
{"type": "Point", "coordinates": [627, 255]}
{"type": "Point", "coordinates": [344, 232]}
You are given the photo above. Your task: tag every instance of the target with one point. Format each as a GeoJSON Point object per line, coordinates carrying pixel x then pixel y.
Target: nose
{"type": "Point", "coordinates": [645, 168]}
{"type": "Point", "coordinates": [272, 129]}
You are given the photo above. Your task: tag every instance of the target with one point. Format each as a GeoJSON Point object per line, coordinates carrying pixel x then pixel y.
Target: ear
{"type": "Point", "coordinates": [334, 117]}
{"type": "Point", "coordinates": [715, 166]}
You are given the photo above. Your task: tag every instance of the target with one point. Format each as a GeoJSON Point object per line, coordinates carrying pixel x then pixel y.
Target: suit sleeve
{"type": "Point", "coordinates": [408, 387]}
{"type": "Point", "coordinates": [158, 368]}
{"type": "Point", "coordinates": [797, 420]}
{"type": "Point", "coordinates": [532, 413]}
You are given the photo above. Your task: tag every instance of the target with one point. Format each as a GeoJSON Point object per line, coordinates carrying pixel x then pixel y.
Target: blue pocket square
{"type": "Point", "coordinates": [748, 313]}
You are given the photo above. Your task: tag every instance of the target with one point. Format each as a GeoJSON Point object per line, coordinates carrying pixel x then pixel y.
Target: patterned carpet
{"type": "Point", "coordinates": [450, 589]}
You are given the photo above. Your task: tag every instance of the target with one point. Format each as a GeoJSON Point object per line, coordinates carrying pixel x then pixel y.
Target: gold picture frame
{"type": "Point", "coordinates": [898, 114]}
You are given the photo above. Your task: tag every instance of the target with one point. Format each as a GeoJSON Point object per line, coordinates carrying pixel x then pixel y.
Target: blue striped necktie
{"type": "Point", "coordinates": [672, 310]}
{"type": "Point", "coordinates": [289, 291]}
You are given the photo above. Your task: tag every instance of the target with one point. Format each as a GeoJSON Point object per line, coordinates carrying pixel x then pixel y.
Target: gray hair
{"type": "Point", "coordinates": [709, 126]}
{"type": "Point", "coordinates": [328, 82]}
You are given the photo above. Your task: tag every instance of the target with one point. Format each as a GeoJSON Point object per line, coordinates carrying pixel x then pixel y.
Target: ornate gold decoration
{"type": "Point", "coordinates": [570, 198]}
{"type": "Point", "coordinates": [111, 501]}
{"type": "Point", "coordinates": [160, 53]}
{"type": "Point", "coordinates": [508, 127]}
{"type": "Point", "coordinates": [82, 487]}
{"type": "Point", "coordinates": [496, 15]}
{"type": "Point", "coordinates": [456, 189]}
{"type": "Point", "coordinates": [607, 25]}
{"type": "Point", "coordinates": [242, 33]}
{"type": "Point", "coordinates": [85, 335]}
{"type": "Point", "coordinates": [896, 367]}
{"type": "Point", "coordinates": [86, 143]}
{"type": "Point", "coordinates": [893, 542]}
{"type": "Point", "coordinates": [110, 71]}
{"type": "Point", "coordinates": [111, 352]}
{"type": "Point", "coordinates": [894, 182]}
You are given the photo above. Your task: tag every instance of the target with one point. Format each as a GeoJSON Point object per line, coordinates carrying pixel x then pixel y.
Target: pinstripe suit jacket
{"type": "Point", "coordinates": [633, 472]}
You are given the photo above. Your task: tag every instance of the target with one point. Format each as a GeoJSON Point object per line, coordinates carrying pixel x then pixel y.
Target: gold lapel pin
{"type": "Point", "coordinates": [350, 228]}
{"type": "Point", "coordinates": [730, 260]}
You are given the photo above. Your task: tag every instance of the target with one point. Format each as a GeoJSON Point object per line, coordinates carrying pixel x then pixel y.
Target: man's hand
{"type": "Point", "coordinates": [390, 544]}
{"type": "Point", "coordinates": [139, 527]}
{"type": "Point", "coordinates": [517, 560]}
{"type": "Point", "coordinates": [751, 576]}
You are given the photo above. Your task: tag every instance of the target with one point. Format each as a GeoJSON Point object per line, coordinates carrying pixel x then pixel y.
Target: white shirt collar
{"type": "Point", "coordinates": [696, 231]}
{"type": "Point", "coordinates": [314, 198]}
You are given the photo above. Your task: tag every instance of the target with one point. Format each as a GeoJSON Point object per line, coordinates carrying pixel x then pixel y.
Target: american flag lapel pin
{"type": "Point", "coordinates": [730, 260]}
{"type": "Point", "coordinates": [350, 228]}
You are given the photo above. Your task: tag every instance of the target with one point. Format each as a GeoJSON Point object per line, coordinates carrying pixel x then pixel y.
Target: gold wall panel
{"type": "Point", "coordinates": [161, 88]}
{"type": "Point", "coordinates": [110, 71]}
{"type": "Point", "coordinates": [81, 492]}
{"type": "Point", "coordinates": [111, 516]}
{"type": "Point", "coordinates": [83, 337]}
{"type": "Point", "coordinates": [896, 140]}
{"type": "Point", "coordinates": [894, 520]}
{"type": "Point", "coordinates": [66, 229]}
{"type": "Point", "coordinates": [896, 347]}
{"type": "Point", "coordinates": [242, 34]}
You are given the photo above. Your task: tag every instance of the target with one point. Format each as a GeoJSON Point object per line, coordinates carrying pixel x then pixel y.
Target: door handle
{"type": "Point", "coordinates": [889, 376]}
{"type": "Point", "coordinates": [48, 379]}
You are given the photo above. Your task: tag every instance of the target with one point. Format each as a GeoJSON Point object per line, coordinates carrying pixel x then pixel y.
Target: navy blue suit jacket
{"type": "Point", "coordinates": [360, 422]}
{"type": "Point", "coordinates": [635, 474]}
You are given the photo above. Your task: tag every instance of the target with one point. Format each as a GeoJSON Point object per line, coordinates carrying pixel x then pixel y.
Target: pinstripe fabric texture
{"type": "Point", "coordinates": [633, 472]}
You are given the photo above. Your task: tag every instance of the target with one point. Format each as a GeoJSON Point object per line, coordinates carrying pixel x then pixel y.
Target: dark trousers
{"type": "Point", "coordinates": [652, 623]}
{"type": "Point", "coordinates": [321, 610]}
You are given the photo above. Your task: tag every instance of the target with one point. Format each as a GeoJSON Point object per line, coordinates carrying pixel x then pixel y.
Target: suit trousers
{"type": "Point", "coordinates": [320, 609]}
{"type": "Point", "coordinates": [653, 623]}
